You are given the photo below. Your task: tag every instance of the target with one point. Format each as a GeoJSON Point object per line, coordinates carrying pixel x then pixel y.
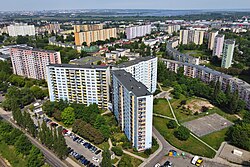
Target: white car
{"type": "Point", "coordinates": [95, 159]}
{"type": "Point", "coordinates": [157, 165]}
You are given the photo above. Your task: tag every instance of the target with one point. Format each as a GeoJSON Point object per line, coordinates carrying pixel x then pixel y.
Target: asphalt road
{"type": "Point", "coordinates": [50, 158]}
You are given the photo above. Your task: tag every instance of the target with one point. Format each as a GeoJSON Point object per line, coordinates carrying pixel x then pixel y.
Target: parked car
{"type": "Point", "coordinates": [95, 159]}
{"type": "Point", "coordinates": [97, 152]}
{"type": "Point", "coordinates": [167, 164]}
{"type": "Point", "coordinates": [197, 161]}
{"type": "Point", "coordinates": [157, 165]}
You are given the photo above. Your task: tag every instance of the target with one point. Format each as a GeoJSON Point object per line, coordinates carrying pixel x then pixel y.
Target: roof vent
{"type": "Point", "coordinates": [132, 87]}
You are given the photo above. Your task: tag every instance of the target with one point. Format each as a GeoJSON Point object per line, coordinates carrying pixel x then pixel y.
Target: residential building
{"type": "Point", "coordinates": [176, 55]}
{"type": "Point", "coordinates": [21, 29]}
{"type": "Point", "coordinates": [87, 27]}
{"type": "Point", "coordinates": [85, 84]}
{"type": "Point", "coordinates": [208, 75]}
{"type": "Point", "coordinates": [228, 51]}
{"type": "Point", "coordinates": [133, 109]}
{"type": "Point", "coordinates": [143, 69]}
{"type": "Point", "coordinates": [137, 31]}
{"type": "Point", "coordinates": [218, 45]}
{"type": "Point", "coordinates": [31, 63]}
{"type": "Point", "coordinates": [173, 28]}
{"type": "Point", "coordinates": [211, 39]}
{"type": "Point", "coordinates": [94, 35]}
{"type": "Point", "coordinates": [184, 37]}
{"type": "Point", "coordinates": [191, 36]}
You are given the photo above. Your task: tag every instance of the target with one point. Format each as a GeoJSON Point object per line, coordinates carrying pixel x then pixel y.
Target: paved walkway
{"type": "Point", "coordinates": [163, 116]}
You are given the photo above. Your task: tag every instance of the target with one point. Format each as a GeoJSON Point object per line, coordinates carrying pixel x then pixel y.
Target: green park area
{"type": "Point", "coordinates": [195, 53]}
{"type": "Point", "coordinates": [187, 109]}
{"type": "Point", "coordinates": [191, 145]}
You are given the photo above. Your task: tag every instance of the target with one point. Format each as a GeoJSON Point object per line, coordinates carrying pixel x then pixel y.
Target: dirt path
{"type": "Point", "coordinates": [3, 163]}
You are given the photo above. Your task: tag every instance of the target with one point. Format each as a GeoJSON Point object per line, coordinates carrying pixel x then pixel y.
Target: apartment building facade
{"type": "Point", "coordinates": [137, 31]}
{"type": "Point", "coordinates": [31, 63]}
{"type": "Point", "coordinates": [87, 27]}
{"type": "Point", "coordinates": [207, 75]}
{"type": "Point", "coordinates": [85, 84]}
{"type": "Point", "coordinates": [191, 36]}
{"type": "Point", "coordinates": [218, 45]}
{"type": "Point", "coordinates": [211, 39]}
{"type": "Point", "coordinates": [143, 69]}
{"type": "Point", "coordinates": [133, 109]}
{"type": "Point", "coordinates": [21, 29]}
{"type": "Point", "coordinates": [176, 55]}
{"type": "Point", "coordinates": [94, 35]}
{"type": "Point", "coordinates": [227, 54]}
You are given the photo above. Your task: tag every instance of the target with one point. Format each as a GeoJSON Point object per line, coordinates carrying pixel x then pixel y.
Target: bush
{"type": "Point", "coordinates": [172, 124]}
{"type": "Point", "coordinates": [117, 150]}
{"type": "Point", "coordinates": [148, 152]}
{"type": "Point", "coordinates": [182, 133]}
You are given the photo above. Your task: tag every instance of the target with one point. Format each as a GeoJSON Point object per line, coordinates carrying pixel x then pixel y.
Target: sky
{"type": "Point", "coordinates": [14, 5]}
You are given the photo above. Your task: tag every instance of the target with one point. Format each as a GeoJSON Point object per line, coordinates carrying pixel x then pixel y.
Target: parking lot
{"type": "Point", "coordinates": [208, 124]}
{"type": "Point", "coordinates": [79, 149]}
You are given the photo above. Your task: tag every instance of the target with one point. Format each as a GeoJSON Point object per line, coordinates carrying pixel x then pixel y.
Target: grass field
{"type": "Point", "coordinates": [215, 139]}
{"type": "Point", "coordinates": [191, 145]}
{"type": "Point", "coordinates": [195, 53]}
{"type": "Point", "coordinates": [162, 108]}
{"type": "Point", "coordinates": [9, 153]}
{"type": "Point", "coordinates": [134, 161]}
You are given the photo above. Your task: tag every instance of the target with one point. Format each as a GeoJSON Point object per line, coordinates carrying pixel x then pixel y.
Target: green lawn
{"type": "Point", "coordinates": [9, 153]}
{"type": "Point", "coordinates": [104, 145]}
{"type": "Point", "coordinates": [191, 145]}
{"type": "Point", "coordinates": [195, 53]}
{"type": "Point", "coordinates": [114, 160]}
{"type": "Point", "coordinates": [134, 161]}
{"type": "Point", "coordinates": [184, 116]}
{"type": "Point", "coordinates": [162, 108]}
{"type": "Point", "coordinates": [215, 139]}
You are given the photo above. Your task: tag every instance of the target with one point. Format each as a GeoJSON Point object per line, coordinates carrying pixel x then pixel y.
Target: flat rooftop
{"type": "Point", "coordinates": [86, 60]}
{"type": "Point", "coordinates": [33, 49]}
{"type": "Point", "coordinates": [136, 61]}
{"type": "Point", "coordinates": [78, 66]}
{"type": "Point", "coordinates": [130, 83]}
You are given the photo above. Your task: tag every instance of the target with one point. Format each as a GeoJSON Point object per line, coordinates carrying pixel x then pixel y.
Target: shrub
{"type": "Point", "coordinates": [182, 133]}
{"type": "Point", "coordinates": [117, 150]}
{"type": "Point", "coordinates": [148, 152]}
{"type": "Point", "coordinates": [171, 124]}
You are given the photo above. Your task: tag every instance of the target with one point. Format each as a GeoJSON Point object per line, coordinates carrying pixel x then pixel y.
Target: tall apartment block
{"type": "Point", "coordinates": [133, 109]}
{"type": "Point", "coordinates": [85, 84]}
{"type": "Point", "coordinates": [21, 29]}
{"type": "Point", "coordinates": [191, 36]}
{"type": "Point", "coordinates": [228, 51]}
{"type": "Point", "coordinates": [207, 75]}
{"type": "Point", "coordinates": [173, 28]}
{"type": "Point", "coordinates": [218, 45]}
{"type": "Point", "coordinates": [211, 39]}
{"type": "Point", "coordinates": [137, 31]}
{"type": "Point", "coordinates": [94, 35]}
{"type": "Point", "coordinates": [31, 63]}
{"type": "Point", "coordinates": [143, 69]}
{"type": "Point", "coordinates": [87, 27]}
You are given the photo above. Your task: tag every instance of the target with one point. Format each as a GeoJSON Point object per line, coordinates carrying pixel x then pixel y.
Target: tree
{"type": "Point", "coordinates": [37, 92]}
{"type": "Point", "coordinates": [125, 161]}
{"type": "Point", "coordinates": [117, 150]}
{"type": "Point", "coordinates": [23, 145]}
{"type": "Point", "coordinates": [239, 135]}
{"type": "Point", "coordinates": [68, 116]}
{"type": "Point", "coordinates": [35, 158]}
{"type": "Point", "coordinates": [148, 152]}
{"type": "Point", "coordinates": [182, 133]}
{"type": "Point", "coordinates": [172, 124]}
{"type": "Point", "coordinates": [106, 159]}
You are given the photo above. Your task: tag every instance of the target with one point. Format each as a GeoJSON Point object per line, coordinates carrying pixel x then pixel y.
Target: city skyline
{"type": "Point", "coordinates": [30, 5]}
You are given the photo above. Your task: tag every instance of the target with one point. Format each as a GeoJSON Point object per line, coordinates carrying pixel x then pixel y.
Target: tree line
{"type": "Point", "coordinates": [227, 100]}
{"type": "Point", "coordinates": [86, 121]}
{"type": "Point", "coordinates": [15, 138]}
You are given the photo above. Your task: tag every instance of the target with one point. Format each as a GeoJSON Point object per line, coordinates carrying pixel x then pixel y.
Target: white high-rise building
{"type": "Point", "coordinates": [184, 37]}
{"type": "Point", "coordinates": [21, 29]}
{"type": "Point", "coordinates": [137, 31]}
{"type": "Point", "coordinates": [218, 45]}
{"type": "Point", "coordinates": [86, 84]}
{"type": "Point", "coordinates": [211, 39]}
{"type": "Point", "coordinates": [133, 109]}
{"type": "Point", "coordinates": [144, 70]}
{"type": "Point", "coordinates": [191, 36]}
